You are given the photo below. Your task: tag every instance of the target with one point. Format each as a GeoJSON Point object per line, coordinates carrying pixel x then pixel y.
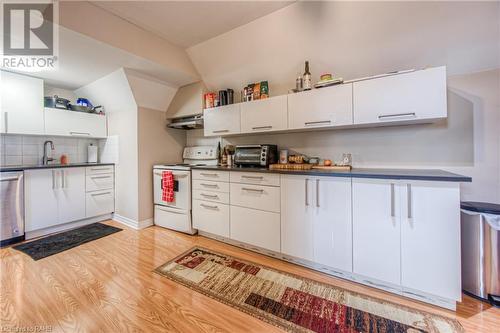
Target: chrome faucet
{"type": "Point", "coordinates": [46, 159]}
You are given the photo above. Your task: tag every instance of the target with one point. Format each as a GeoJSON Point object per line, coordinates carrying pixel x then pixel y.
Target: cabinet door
{"type": "Point", "coordinates": [71, 194]}
{"type": "Point", "coordinates": [211, 217]}
{"type": "Point", "coordinates": [325, 107]}
{"type": "Point", "coordinates": [430, 238]}
{"type": "Point", "coordinates": [41, 195]}
{"type": "Point", "coordinates": [406, 97]}
{"type": "Point", "coordinates": [256, 227]}
{"type": "Point", "coordinates": [269, 114]}
{"type": "Point", "coordinates": [70, 123]}
{"type": "Point", "coordinates": [22, 104]}
{"type": "Point", "coordinates": [332, 226]}
{"type": "Point", "coordinates": [296, 216]}
{"type": "Point", "coordinates": [222, 120]}
{"type": "Point", "coordinates": [376, 229]}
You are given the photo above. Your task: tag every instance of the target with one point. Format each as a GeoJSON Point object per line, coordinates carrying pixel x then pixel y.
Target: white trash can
{"type": "Point", "coordinates": [480, 232]}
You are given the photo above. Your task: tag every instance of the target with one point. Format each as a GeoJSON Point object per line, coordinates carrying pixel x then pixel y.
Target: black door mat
{"type": "Point", "coordinates": [63, 241]}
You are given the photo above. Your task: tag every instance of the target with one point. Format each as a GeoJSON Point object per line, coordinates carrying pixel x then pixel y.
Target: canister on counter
{"type": "Point", "coordinates": [283, 156]}
{"type": "Point", "coordinates": [230, 96]}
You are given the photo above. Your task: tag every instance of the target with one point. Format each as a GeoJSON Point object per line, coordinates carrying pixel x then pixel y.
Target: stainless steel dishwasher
{"type": "Point", "coordinates": [12, 207]}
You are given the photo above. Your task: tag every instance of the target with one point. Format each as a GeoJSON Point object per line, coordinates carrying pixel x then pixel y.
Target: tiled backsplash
{"type": "Point", "coordinates": [28, 150]}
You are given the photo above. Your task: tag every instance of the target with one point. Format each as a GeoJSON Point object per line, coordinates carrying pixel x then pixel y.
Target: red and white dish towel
{"type": "Point", "coordinates": [167, 185]}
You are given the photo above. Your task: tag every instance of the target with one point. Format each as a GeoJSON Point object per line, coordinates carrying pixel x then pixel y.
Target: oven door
{"type": "Point", "coordinates": [182, 189]}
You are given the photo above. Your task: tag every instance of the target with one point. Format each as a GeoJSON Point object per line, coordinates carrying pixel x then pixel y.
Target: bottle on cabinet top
{"type": "Point", "coordinates": [307, 80]}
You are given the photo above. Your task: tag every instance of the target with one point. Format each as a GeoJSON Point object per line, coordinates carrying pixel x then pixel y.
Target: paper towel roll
{"type": "Point", "coordinates": [92, 154]}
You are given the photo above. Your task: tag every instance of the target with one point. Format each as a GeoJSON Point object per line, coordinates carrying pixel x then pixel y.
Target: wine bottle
{"type": "Point", "coordinates": [307, 85]}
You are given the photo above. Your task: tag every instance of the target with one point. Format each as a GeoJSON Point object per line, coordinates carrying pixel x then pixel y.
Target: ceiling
{"type": "Point", "coordinates": [187, 23]}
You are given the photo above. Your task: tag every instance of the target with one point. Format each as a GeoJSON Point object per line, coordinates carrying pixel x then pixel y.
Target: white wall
{"type": "Point", "coordinates": [113, 91]}
{"type": "Point", "coordinates": [355, 39]}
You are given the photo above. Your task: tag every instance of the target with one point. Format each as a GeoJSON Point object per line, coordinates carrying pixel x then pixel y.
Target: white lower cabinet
{"type": "Point", "coordinates": [407, 233]}
{"type": "Point", "coordinates": [255, 227]}
{"type": "Point", "coordinates": [99, 203]}
{"type": "Point", "coordinates": [376, 229]}
{"type": "Point", "coordinates": [211, 217]}
{"type": "Point", "coordinates": [316, 220]}
{"type": "Point", "coordinates": [430, 238]}
{"type": "Point", "coordinates": [54, 196]}
{"type": "Point", "coordinates": [100, 190]}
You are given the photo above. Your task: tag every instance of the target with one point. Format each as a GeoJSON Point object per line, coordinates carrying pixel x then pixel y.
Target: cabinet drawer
{"type": "Point", "coordinates": [221, 197]}
{"type": "Point", "coordinates": [254, 196]}
{"type": "Point", "coordinates": [208, 185]}
{"type": "Point", "coordinates": [256, 227]}
{"type": "Point", "coordinates": [211, 217]}
{"type": "Point", "coordinates": [255, 178]}
{"type": "Point", "coordinates": [99, 182]}
{"type": "Point", "coordinates": [99, 169]}
{"type": "Point", "coordinates": [222, 176]}
{"type": "Point", "coordinates": [99, 203]}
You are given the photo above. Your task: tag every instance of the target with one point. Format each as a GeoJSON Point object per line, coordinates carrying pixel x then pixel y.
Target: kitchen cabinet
{"type": "Point", "coordinates": [316, 220]}
{"type": "Point", "coordinates": [71, 123]}
{"type": "Point", "coordinates": [211, 217]}
{"type": "Point", "coordinates": [332, 222]}
{"type": "Point", "coordinates": [430, 238]}
{"type": "Point", "coordinates": [222, 120]}
{"type": "Point", "coordinates": [376, 229]}
{"type": "Point", "coordinates": [255, 227]}
{"type": "Point", "coordinates": [296, 211]}
{"type": "Point", "coordinates": [99, 203]}
{"type": "Point", "coordinates": [264, 115]}
{"type": "Point", "coordinates": [53, 197]}
{"type": "Point", "coordinates": [99, 186]}
{"type": "Point", "coordinates": [22, 104]}
{"type": "Point", "coordinates": [255, 196]}
{"type": "Point", "coordinates": [71, 197]}
{"type": "Point", "coordinates": [324, 107]}
{"type": "Point", "coordinates": [417, 96]}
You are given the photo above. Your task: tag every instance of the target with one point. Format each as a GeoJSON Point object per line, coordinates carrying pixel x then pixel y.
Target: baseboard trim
{"type": "Point", "coordinates": [137, 225]}
{"type": "Point", "coordinates": [65, 226]}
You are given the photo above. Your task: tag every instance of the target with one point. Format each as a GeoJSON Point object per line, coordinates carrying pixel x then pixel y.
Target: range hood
{"type": "Point", "coordinates": [187, 123]}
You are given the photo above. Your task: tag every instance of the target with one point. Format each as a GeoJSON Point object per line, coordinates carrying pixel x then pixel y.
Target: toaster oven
{"type": "Point", "coordinates": [256, 155]}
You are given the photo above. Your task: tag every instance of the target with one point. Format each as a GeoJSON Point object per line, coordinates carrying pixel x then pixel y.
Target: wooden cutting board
{"type": "Point", "coordinates": [291, 166]}
{"type": "Point", "coordinates": [333, 167]}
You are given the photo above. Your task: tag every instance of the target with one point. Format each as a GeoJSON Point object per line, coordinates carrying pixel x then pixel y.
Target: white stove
{"type": "Point", "coordinates": [176, 215]}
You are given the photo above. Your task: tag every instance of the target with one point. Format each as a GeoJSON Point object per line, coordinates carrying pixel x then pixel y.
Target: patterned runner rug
{"type": "Point", "coordinates": [294, 303]}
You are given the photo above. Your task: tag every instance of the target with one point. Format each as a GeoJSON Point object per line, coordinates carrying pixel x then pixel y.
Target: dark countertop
{"type": "Point", "coordinates": [49, 166]}
{"type": "Point", "coordinates": [410, 174]}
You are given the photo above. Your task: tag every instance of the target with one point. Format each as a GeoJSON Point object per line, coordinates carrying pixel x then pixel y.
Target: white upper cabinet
{"type": "Point", "coordinates": [430, 238]}
{"type": "Point", "coordinates": [21, 104]}
{"type": "Point", "coordinates": [417, 96]}
{"type": "Point", "coordinates": [324, 107]}
{"type": "Point", "coordinates": [71, 123]}
{"type": "Point", "coordinates": [376, 229]}
{"type": "Point", "coordinates": [268, 114]}
{"type": "Point", "coordinates": [222, 120]}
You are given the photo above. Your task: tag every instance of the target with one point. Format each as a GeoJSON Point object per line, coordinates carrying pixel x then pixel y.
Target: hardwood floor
{"type": "Point", "coordinates": [108, 286]}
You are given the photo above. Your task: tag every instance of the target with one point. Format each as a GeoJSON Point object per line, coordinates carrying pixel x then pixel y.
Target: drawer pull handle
{"type": "Point", "coordinates": [252, 189]}
{"type": "Point", "coordinates": [100, 177]}
{"type": "Point", "coordinates": [209, 174]}
{"type": "Point", "coordinates": [79, 133]}
{"type": "Point", "coordinates": [98, 194]}
{"type": "Point", "coordinates": [262, 127]}
{"type": "Point", "coordinates": [221, 131]}
{"type": "Point", "coordinates": [209, 206]}
{"type": "Point", "coordinates": [209, 195]}
{"type": "Point", "coordinates": [310, 123]}
{"type": "Point", "coordinates": [210, 185]}
{"type": "Point", "coordinates": [98, 169]}
{"type": "Point", "coordinates": [395, 115]}
{"type": "Point", "coordinates": [252, 177]}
